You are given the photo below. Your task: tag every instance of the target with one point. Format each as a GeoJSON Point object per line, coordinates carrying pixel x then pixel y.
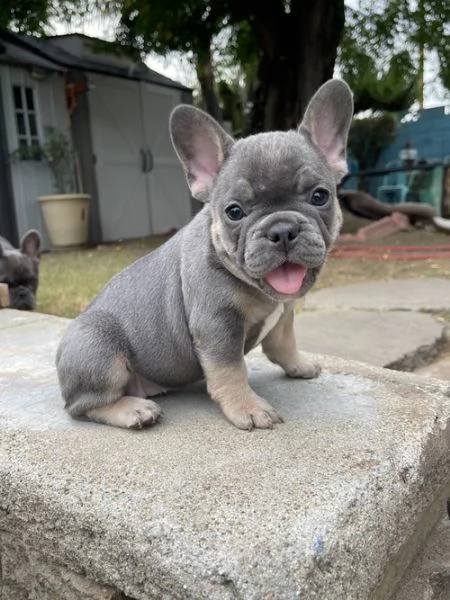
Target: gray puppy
{"type": "Point", "coordinates": [19, 269]}
{"type": "Point", "coordinates": [226, 282]}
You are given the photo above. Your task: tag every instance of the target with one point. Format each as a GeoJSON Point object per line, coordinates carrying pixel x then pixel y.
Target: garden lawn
{"type": "Point", "coordinates": [70, 280]}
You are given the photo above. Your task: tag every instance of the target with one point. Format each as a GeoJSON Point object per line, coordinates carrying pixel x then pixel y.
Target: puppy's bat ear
{"type": "Point", "coordinates": [202, 146]}
{"type": "Point", "coordinates": [327, 122]}
{"type": "Point", "coordinates": [31, 244]}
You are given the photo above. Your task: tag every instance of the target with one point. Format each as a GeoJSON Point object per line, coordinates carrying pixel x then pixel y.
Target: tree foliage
{"type": "Point", "coordinates": [187, 26]}
{"type": "Point", "coordinates": [291, 45]}
{"type": "Point", "coordinates": [28, 16]}
{"type": "Point", "coordinates": [390, 88]}
{"type": "Point", "coordinates": [369, 136]}
{"type": "Point", "coordinates": [34, 16]}
{"type": "Point", "coordinates": [279, 51]}
{"type": "Point", "coordinates": [286, 48]}
{"type": "Point", "coordinates": [385, 45]}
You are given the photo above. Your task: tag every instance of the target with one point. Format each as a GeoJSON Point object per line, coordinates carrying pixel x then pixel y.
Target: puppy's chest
{"type": "Point", "coordinates": [257, 331]}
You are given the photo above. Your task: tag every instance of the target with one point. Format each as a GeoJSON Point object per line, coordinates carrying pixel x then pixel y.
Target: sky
{"type": "Point", "coordinates": [178, 67]}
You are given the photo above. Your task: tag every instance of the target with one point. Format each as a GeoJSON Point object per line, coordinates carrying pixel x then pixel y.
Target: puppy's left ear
{"type": "Point", "coordinates": [327, 122]}
{"type": "Point", "coordinates": [31, 244]}
{"type": "Point", "coordinates": [202, 146]}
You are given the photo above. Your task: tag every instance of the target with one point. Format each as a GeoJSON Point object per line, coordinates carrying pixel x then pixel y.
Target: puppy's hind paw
{"type": "Point", "coordinates": [130, 412]}
{"type": "Point", "coordinates": [144, 415]}
{"type": "Point", "coordinates": [304, 369]}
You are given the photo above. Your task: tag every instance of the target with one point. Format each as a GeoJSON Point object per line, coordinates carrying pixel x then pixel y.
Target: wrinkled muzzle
{"type": "Point", "coordinates": [280, 249]}
{"type": "Point", "coordinates": [280, 238]}
{"type": "Point", "coordinates": [21, 298]}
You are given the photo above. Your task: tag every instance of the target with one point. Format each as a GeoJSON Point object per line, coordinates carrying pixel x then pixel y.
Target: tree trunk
{"type": "Point", "coordinates": [299, 50]}
{"type": "Point", "coordinates": [422, 29]}
{"type": "Point", "coordinates": [205, 75]}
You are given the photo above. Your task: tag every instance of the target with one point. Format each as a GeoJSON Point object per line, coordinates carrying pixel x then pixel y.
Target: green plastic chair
{"type": "Point", "coordinates": [426, 188]}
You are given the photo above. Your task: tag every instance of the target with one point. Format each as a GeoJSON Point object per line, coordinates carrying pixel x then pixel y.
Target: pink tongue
{"type": "Point", "coordinates": [287, 279]}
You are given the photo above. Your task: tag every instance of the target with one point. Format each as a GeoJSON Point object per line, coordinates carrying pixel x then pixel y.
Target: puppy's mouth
{"type": "Point", "coordinates": [287, 279]}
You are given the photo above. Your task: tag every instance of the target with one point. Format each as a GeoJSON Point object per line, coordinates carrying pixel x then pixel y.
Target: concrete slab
{"type": "Point", "coordinates": [430, 294]}
{"type": "Point", "coordinates": [15, 318]}
{"type": "Point", "coordinates": [429, 575]}
{"type": "Point", "coordinates": [326, 505]}
{"type": "Point", "coordinates": [399, 340]}
{"type": "Point", "coordinates": [428, 578]}
{"type": "Point", "coordinates": [440, 369]}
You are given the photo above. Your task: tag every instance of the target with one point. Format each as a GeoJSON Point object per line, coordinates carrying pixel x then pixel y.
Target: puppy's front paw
{"type": "Point", "coordinates": [254, 412]}
{"type": "Point", "coordinates": [304, 369]}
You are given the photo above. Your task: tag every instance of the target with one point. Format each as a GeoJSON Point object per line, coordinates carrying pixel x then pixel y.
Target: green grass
{"type": "Point", "coordinates": [70, 280]}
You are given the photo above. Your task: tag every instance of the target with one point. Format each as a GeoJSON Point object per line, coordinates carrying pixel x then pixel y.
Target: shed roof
{"type": "Point", "coordinates": [12, 51]}
{"type": "Point", "coordinates": [80, 52]}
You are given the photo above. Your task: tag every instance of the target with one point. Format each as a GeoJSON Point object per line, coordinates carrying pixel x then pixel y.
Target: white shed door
{"type": "Point", "coordinates": [118, 140]}
{"type": "Point", "coordinates": [168, 192]}
{"type": "Point", "coordinates": [30, 106]}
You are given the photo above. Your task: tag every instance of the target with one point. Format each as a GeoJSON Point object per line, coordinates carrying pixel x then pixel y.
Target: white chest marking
{"type": "Point", "coordinates": [270, 323]}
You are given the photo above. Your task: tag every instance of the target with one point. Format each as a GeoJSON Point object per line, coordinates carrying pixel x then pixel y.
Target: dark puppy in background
{"type": "Point", "coordinates": [224, 283]}
{"type": "Point", "coordinates": [19, 270]}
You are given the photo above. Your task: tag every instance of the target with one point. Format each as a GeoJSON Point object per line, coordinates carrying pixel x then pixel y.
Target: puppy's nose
{"type": "Point", "coordinates": [283, 234]}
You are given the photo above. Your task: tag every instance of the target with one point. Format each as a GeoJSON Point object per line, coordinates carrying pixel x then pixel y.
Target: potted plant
{"type": "Point", "coordinates": [65, 213]}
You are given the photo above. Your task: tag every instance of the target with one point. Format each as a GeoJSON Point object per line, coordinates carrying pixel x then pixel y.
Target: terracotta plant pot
{"type": "Point", "coordinates": [66, 218]}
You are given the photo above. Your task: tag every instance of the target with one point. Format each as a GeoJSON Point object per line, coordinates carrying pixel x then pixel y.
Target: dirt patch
{"type": "Point", "coordinates": [342, 271]}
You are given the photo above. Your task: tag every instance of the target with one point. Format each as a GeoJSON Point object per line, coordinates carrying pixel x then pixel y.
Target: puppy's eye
{"type": "Point", "coordinates": [234, 212]}
{"type": "Point", "coordinates": [319, 197]}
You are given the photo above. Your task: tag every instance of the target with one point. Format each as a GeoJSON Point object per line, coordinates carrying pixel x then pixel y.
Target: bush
{"type": "Point", "coordinates": [369, 136]}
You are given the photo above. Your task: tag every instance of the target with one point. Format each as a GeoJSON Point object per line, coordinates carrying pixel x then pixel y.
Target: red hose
{"type": "Point", "coordinates": [402, 248]}
{"type": "Point", "coordinates": [391, 252]}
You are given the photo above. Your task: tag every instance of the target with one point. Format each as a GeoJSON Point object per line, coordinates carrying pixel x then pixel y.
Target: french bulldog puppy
{"type": "Point", "coordinates": [224, 283]}
{"type": "Point", "coordinates": [19, 269]}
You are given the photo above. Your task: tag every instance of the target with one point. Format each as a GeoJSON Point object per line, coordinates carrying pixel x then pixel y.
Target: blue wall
{"type": "Point", "coordinates": [430, 135]}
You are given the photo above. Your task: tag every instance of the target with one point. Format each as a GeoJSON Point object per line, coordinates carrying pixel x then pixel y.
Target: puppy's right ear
{"type": "Point", "coordinates": [202, 146]}
{"type": "Point", "coordinates": [31, 244]}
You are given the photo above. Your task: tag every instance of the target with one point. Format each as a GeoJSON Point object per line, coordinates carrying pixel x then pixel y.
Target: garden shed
{"type": "Point", "coordinates": [117, 112]}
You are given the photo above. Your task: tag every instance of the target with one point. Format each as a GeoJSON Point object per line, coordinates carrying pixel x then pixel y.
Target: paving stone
{"type": "Point", "coordinates": [430, 294]}
{"type": "Point", "coordinates": [321, 506]}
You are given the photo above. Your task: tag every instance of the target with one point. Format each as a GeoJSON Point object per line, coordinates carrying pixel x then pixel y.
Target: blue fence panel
{"type": "Point", "coordinates": [430, 135]}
